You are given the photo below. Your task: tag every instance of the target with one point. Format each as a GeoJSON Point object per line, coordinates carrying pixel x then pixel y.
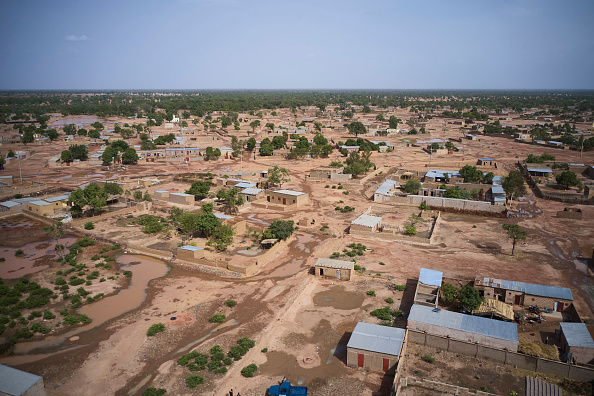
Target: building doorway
{"type": "Point", "coordinates": [360, 360]}
{"type": "Point", "coordinates": [321, 271]}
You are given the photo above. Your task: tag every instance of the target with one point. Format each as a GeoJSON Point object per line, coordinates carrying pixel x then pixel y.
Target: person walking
{"type": "Point", "coordinates": [231, 392]}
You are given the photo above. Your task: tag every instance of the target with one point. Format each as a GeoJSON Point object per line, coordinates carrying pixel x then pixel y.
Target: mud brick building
{"type": "Point", "coordinates": [374, 347]}
{"type": "Point", "coordinates": [577, 343]}
{"type": "Point", "coordinates": [331, 268]}
{"type": "Point", "coordinates": [521, 293]}
{"type": "Point", "coordinates": [190, 253]}
{"type": "Point", "coordinates": [287, 197]}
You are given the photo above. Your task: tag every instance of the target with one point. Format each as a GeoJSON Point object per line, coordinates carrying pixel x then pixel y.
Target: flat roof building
{"type": "Point", "coordinates": [374, 347]}
{"type": "Point", "coordinates": [287, 197]}
{"type": "Point", "coordinates": [366, 223]}
{"type": "Point", "coordinates": [331, 268]}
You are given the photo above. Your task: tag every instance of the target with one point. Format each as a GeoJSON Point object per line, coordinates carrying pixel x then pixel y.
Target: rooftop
{"type": "Point", "coordinates": [289, 192]}
{"type": "Point", "coordinates": [430, 277]}
{"type": "Point", "coordinates": [466, 323]}
{"type": "Point", "coordinates": [540, 170]}
{"type": "Point", "coordinates": [16, 382]}
{"type": "Point", "coordinates": [191, 248]}
{"type": "Point", "coordinates": [441, 173]}
{"type": "Point", "coordinates": [497, 190]}
{"type": "Point", "coordinates": [252, 191]}
{"type": "Point", "coordinates": [376, 338]}
{"type": "Point", "coordinates": [58, 198]}
{"type": "Point", "coordinates": [528, 288]}
{"type": "Point", "coordinates": [485, 159]}
{"type": "Point", "coordinates": [367, 221]}
{"type": "Point", "coordinates": [182, 194]}
{"type": "Point", "coordinates": [331, 263]}
{"type": "Point", "coordinates": [385, 187]}
{"type": "Point", "coordinates": [577, 334]}
{"type": "Point", "coordinates": [244, 185]}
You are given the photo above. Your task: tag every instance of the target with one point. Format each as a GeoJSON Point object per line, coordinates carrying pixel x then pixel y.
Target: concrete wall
{"type": "Point", "coordinates": [437, 202]}
{"type": "Point", "coordinates": [373, 361]}
{"type": "Point", "coordinates": [182, 199]}
{"type": "Point", "coordinates": [460, 335]}
{"type": "Point", "coordinates": [582, 355]}
{"type": "Point", "coordinates": [345, 274]}
{"type": "Point", "coordinates": [41, 210]}
{"type": "Point", "coordinates": [163, 196]}
{"type": "Point", "coordinates": [510, 358]}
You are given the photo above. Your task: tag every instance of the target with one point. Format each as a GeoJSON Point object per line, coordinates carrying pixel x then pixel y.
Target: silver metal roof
{"type": "Point", "coordinates": [530, 288]}
{"type": "Point", "coordinates": [466, 323]}
{"type": "Point", "coordinates": [376, 338]}
{"type": "Point", "coordinates": [540, 170]}
{"type": "Point", "coordinates": [252, 191]}
{"type": "Point", "coordinates": [367, 221]}
{"type": "Point", "coordinates": [577, 334]}
{"type": "Point", "coordinates": [191, 248]}
{"type": "Point", "coordinates": [385, 187]}
{"type": "Point", "coordinates": [223, 216]}
{"type": "Point", "coordinates": [331, 263]}
{"type": "Point", "coordinates": [10, 204]}
{"type": "Point", "coordinates": [497, 190]}
{"type": "Point", "coordinates": [441, 173]}
{"type": "Point", "coordinates": [39, 203]}
{"type": "Point", "coordinates": [182, 194]}
{"type": "Point", "coordinates": [16, 382]}
{"type": "Point", "coordinates": [244, 185]}
{"type": "Point", "coordinates": [539, 387]}
{"type": "Point", "coordinates": [289, 192]}
{"type": "Point", "coordinates": [58, 198]}
{"type": "Point", "coordinates": [430, 277]}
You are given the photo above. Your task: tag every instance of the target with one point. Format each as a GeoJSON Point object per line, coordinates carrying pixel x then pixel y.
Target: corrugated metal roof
{"type": "Point", "coordinates": [538, 387]}
{"type": "Point", "coordinates": [162, 191]}
{"type": "Point", "coordinates": [58, 198]}
{"type": "Point", "coordinates": [16, 382]}
{"type": "Point", "coordinates": [252, 191]}
{"type": "Point", "coordinates": [385, 187]}
{"type": "Point", "coordinates": [577, 334]}
{"type": "Point", "coordinates": [540, 170]}
{"type": "Point", "coordinates": [430, 277]}
{"type": "Point", "coordinates": [289, 192]}
{"type": "Point", "coordinates": [497, 190]}
{"type": "Point", "coordinates": [191, 248]}
{"type": "Point", "coordinates": [39, 203]}
{"type": "Point", "coordinates": [376, 338]}
{"type": "Point", "coordinates": [531, 288]}
{"type": "Point", "coordinates": [441, 173]}
{"type": "Point", "coordinates": [466, 323]}
{"type": "Point", "coordinates": [367, 221]}
{"type": "Point", "coordinates": [182, 194]}
{"type": "Point", "coordinates": [10, 204]}
{"type": "Point", "coordinates": [485, 159]}
{"type": "Point", "coordinates": [331, 263]}
{"type": "Point", "coordinates": [244, 185]}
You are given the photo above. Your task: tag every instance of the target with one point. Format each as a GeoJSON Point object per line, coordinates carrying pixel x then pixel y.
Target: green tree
{"type": "Point", "coordinates": [281, 229]}
{"type": "Point", "coordinates": [470, 174]}
{"type": "Point", "coordinates": [211, 153]}
{"type": "Point", "coordinates": [69, 129]}
{"type": "Point", "coordinates": [10, 154]}
{"type": "Point", "coordinates": [513, 184]}
{"type": "Point", "coordinates": [270, 126]}
{"type": "Point", "coordinates": [113, 189]}
{"type": "Point", "coordinates": [567, 179]}
{"type": "Point", "coordinates": [356, 128]}
{"type": "Point", "coordinates": [129, 156]}
{"type": "Point", "coordinates": [380, 117]}
{"type": "Point", "coordinates": [221, 237]}
{"type": "Point", "coordinates": [199, 189]}
{"type": "Point", "coordinates": [66, 156]}
{"type": "Point", "coordinates": [278, 176]}
{"type": "Point", "coordinates": [126, 133]}
{"type": "Point", "coordinates": [93, 196]}
{"type": "Point", "coordinates": [53, 134]}
{"type": "Point", "coordinates": [232, 199]}
{"type": "Point", "coordinates": [254, 124]}
{"type": "Point", "coordinates": [207, 221]}
{"type": "Point", "coordinates": [278, 142]}
{"type": "Point", "coordinates": [137, 195]}
{"type": "Point", "coordinates": [412, 187]}
{"type": "Point", "coordinates": [28, 137]}
{"type": "Point", "coordinates": [457, 193]}
{"type": "Point", "coordinates": [79, 152]}
{"type": "Point", "coordinates": [110, 154]}
{"type": "Point", "coordinates": [251, 144]}
{"type": "Point", "coordinates": [94, 134]}
{"type": "Point", "coordinates": [2, 162]}
{"type": "Point", "coordinates": [147, 197]}
{"type": "Point", "coordinates": [320, 140]}
{"type": "Point", "coordinates": [393, 122]}
{"type": "Point", "coordinates": [98, 126]}
{"type": "Point", "coordinates": [469, 298]}
{"type": "Point", "coordinates": [147, 145]}
{"type": "Point", "coordinates": [514, 232]}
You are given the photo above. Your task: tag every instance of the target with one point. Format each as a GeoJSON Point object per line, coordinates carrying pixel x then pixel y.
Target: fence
{"type": "Point", "coordinates": [553, 196]}
{"type": "Point", "coordinates": [448, 204]}
{"type": "Point", "coordinates": [504, 356]}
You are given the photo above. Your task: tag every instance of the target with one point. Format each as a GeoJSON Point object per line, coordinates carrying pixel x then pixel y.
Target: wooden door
{"type": "Point", "coordinates": [386, 364]}
{"type": "Point", "coordinates": [559, 306]}
{"type": "Point", "coordinates": [518, 299]}
{"type": "Point", "coordinates": [361, 360]}
{"type": "Point", "coordinates": [284, 201]}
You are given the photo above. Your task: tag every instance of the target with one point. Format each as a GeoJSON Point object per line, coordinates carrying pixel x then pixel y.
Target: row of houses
{"type": "Point", "coordinates": [42, 207]}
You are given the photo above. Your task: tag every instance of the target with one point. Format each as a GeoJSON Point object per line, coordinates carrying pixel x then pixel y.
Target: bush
{"type": "Point", "coordinates": [428, 359]}
{"type": "Point", "coordinates": [154, 329]}
{"type": "Point", "coordinates": [389, 300]}
{"type": "Point", "coordinates": [230, 303]}
{"type": "Point", "coordinates": [154, 392]}
{"type": "Point", "coordinates": [249, 370]}
{"type": "Point", "coordinates": [127, 274]}
{"type": "Point", "coordinates": [72, 319]}
{"type": "Point", "coordinates": [400, 287]}
{"type": "Point", "coordinates": [371, 293]}
{"type": "Point", "coordinates": [264, 350]}
{"type": "Point", "coordinates": [89, 225]}
{"type": "Point", "coordinates": [104, 249]}
{"type": "Point", "coordinates": [115, 246]}
{"type": "Point", "coordinates": [218, 318]}
{"type": "Point", "coordinates": [47, 314]}
{"type": "Point", "coordinates": [95, 257]}
{"type": "Point", "coordinates": [19, 253]}
{"type": "Point", "coordinates": [194, 380]}
{"type": "Point", "coordinates": [76, 281]}
{"type": "Point", "coordinates": [410, 230]}
{"type": "Point", "coordinates": [382, 263]}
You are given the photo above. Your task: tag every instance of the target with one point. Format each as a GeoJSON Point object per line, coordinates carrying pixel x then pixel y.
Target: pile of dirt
{"type": "Point", "coordinates": [538, 349]}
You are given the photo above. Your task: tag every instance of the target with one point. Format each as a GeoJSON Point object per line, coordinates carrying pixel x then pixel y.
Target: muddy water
{"type": "Point", "coordinates": [300, 250]}
{"type": "Point", "coordinates": [15, 267]}
{"type": "Point", "coordinates": [337, 297]}
{"type": "Point", "coordinates": [143, 270]}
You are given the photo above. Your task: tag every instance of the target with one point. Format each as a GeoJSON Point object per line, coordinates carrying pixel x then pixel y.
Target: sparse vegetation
{"type": "Point", "coordinates": [154, 329]}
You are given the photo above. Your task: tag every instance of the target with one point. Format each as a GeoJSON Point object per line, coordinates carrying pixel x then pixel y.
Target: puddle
{"type": "Point", "coordinates": [252, 219]}
{"type": "Point", "coordinates": [337, 297]}
{"type": "Point", "coordinates": [110, 307]}
{"type": "Point", "coordinates": [15, 267]}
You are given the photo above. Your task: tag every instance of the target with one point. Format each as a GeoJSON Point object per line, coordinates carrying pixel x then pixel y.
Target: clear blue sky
{"type": "Point", "coordinates": [276, 44]}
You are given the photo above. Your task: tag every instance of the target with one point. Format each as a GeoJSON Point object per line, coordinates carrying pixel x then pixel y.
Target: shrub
{"type": "Point", "coordinates": [400, 287]}
{"type": "Point", "coordinates": [249, 371]}
{"type": "Point", "coordinates": [218, 318]}
{"type": "Point", "coordinates": [72, 319]}
{"type": "Point", "coordinates": [389, 300]}
{"type": "Point", "coordinates": [47, 314]}
{"type": "Point", "coordinates": [194, 380]}
{"type": "Point", "coordinates": [127, 273]}
{"type": "Point", "coordinates": [89, 225]}
{"type": "Point", "coordinates": [95, 257]}
{"type": "Point", "coordinates": [228, 361]}
{"type": "Point", "coordinates": [230, 303]}
{"type": "Point", "coordinates": [154, 329]}
{"type": "Point", "coordinates": [104, 249]}
{"type": "Point", "coordinates": [154, 392]}
{"type": "Point", "coordinates": [115, 246]}
{"type": "Point", "coordinates": [410, 230]}
{"type": "Point", "coordinates": [19, 253]}
{"type": "Point", "coordinates": [371, 293]}
{"type": "Point", "coordinates": [428, 359]}
{"type": "Point", "coordinates": [221, 370]}
{"type": "Point", "coordinates": [382, 263]}
{"type": "Point", "coordinates": [76, 281]}
{"type": "Point", "coordinates": [264, 350]}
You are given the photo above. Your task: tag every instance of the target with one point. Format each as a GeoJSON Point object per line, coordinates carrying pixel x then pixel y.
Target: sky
{"type": "Point", "coordinates": [298, 44]}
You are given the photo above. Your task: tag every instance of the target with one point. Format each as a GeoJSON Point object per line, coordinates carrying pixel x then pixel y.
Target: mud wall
{"type": "Point", "coordinates": [504, 356]}
{"type": "Point", "coordinates": [437, 387]}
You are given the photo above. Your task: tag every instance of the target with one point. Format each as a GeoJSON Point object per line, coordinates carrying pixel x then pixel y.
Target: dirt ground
{"type": "Point", "coordinates": [302, 320]}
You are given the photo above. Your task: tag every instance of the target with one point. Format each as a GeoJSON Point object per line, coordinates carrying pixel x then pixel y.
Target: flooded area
{"type": "Point", "coordinates": [143, 269]}
{"type": "Point", "coordinates": [338, 298]}
{"type": "Point", "coordinates": [36, 257]}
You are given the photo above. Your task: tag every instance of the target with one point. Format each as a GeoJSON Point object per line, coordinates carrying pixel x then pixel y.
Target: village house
{"type": "Point", "coordinates": [439, 176]}
{"type": "Point", "coordinates": [428, 286]}
{"type": "Point", "coordinates": [576, 343]}
{"type": "Point", "coordinates": [365, 223]}
{"type": "Point", "coordinates": [542, 172]}
{"type": "Point", "coordinates": [485, 162]}
{"type": "Point", "coordinates": [253, 194]}
{"type": "Point", "coordinates": [350, 149]}
{"type": "Point", "coordinates": [374, 347]}
{"type": "Point", "coordinates": [485, 331]}
{"type": "Point", "coordinates": [15, 382]}
{"type": "Point", "coordinates": [331, 268]}
{"type": "Point", "coordinates": [386, 189]}
{"type": "Point", "coordinates": [40, 207]}
{"type": "Point", "coordinates": [521, 293]}
{"type": "Point", "coordinates": [238, 224]}
{"type": "Point", "coordinates": [496, 195]}
{"type": "Point", "coordinates": [287, 197]}
{"type": "Point", "coordinates": [182, 198]}
{"type": "Point", "coordinates": [190, 253]}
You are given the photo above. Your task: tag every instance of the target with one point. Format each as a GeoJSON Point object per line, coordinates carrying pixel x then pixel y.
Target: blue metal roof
{"type": "Point", "coordinates": [191, 248]}
{"type": "Point", "coordinates": [577, 334]}
{"type": "Point", "coordinates": [376, 338]}
{"type": "Point", "coordinates": [385, 187]}
{"type": "Point", "coordinates": [436, 173]}
{"type": "Point", "coordinates": [182, 194]}
{"type": "Point", "coordinates": [430, 277]}
{"type": "Point", "coordinates": [545, 170]}
{"type": "Point", "coordinates": [466, 323]}
{"type": "Point", "coordinates": [485, 159]}
{"type": "Point", "coordinates": [58, 198]}
{"type": "Point", "coordinates": [531, 288]}
{"type": "Point", "coordinates": [16, 382]}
